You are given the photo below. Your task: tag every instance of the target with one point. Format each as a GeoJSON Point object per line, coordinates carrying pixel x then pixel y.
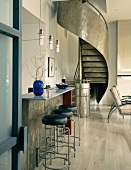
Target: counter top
{"type": "Point", "coordinates": [48, 94]}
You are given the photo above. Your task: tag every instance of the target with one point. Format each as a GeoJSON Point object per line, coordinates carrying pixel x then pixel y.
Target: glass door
{"type": "Point", "coordinates": [10, 83]}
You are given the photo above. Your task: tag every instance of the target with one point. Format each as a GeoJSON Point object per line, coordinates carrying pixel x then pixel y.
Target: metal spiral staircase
{"type": "Point", "coordinates": [85, 21]}
{"type": "Point", "coordinates": [94, 68]}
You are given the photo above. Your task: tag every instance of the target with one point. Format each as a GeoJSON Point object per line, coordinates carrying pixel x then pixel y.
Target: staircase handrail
{"type": "Point", "coordinates": [76, 72]}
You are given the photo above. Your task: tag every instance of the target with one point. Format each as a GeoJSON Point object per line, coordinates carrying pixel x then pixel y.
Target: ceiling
{"type": "Point", "coordinates": [113, 10]}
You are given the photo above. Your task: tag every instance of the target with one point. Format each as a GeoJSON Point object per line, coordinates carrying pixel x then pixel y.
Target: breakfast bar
{"type": "Point", "coordinates": [33, 109]}
{"type": "Point", "coordinates": [51, 93]}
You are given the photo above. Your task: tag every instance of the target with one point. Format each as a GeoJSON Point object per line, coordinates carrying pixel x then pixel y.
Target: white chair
{"type": "Point", "coordinates": [123, 106]}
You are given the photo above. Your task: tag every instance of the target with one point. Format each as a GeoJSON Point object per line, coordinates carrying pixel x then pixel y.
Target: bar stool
{"type": "Point", "coordinates": [73, 108]}
{"type": "Point", "coordinates": [68, 114]}
{"type": "Point", "coordinates": [55, 123]}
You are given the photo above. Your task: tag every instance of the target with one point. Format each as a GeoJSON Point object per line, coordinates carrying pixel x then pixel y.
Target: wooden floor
{"type": "Point", "coordinates": [104, 146]}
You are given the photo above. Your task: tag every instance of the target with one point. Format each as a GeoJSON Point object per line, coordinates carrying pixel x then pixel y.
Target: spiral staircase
{"type": "Point", "coordinates": [85, 21]}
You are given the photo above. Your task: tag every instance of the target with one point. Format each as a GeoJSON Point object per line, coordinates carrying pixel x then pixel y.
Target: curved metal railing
{"type": "Point", "coordinates": [76, 75]}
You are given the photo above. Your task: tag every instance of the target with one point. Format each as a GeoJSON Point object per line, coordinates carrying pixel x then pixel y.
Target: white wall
{"type": "Point", "coordinates": [124, 57]}
{"type": "Point", "coordinates": [124, 47]}
{"type": "Point", "coordinates": [30, 48]}
{"type": "Point", "coordinates": [119, 58]}
{"type": "Point", "coordinates": [33, 6]}
{"type": "Point", "coordinates": [67, 58]}
{"type": "Point", "coordinates": [65, 61]}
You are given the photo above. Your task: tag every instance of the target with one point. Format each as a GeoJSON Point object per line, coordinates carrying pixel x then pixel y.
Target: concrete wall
{"type": "Point", "coordinates": [81, 20]}
{"type": "Point", "coordinates": [65, 61]}
{"type": "Point", "coordinates": [33, 112]}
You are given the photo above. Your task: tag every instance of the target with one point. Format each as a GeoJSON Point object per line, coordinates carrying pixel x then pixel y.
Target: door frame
{"type": "Point", "coordinates": [16, 33]}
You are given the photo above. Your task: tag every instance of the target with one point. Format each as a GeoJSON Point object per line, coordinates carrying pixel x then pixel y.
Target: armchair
{"type": "Point", "coordinates": [123, 105]}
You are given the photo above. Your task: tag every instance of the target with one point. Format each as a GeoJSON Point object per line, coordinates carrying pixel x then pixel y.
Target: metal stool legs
{"type": "Point", "coordinates": [79, 135]}
{"type": "Point", "coordinates": [51, 149]}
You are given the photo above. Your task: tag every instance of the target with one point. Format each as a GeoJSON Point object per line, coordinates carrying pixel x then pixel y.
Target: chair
{"type": "Point", "coordinates": [123, 106]}
{"type": "Point", "coordinates": [124, 100]}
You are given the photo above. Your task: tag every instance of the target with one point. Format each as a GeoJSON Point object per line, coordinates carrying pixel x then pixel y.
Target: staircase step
{"type": "Point", "coordinates": [96, 80]}
{"type": "Point", "coordinates": [93, 58]}
{"type": "Point", "coordinates": [96, 69]}
{"type": "Point", "coordinates": [90, 52]}
{"type": "Point", "coordinates": [95, 75]}
{"type": "Point", "coordinates": [94, 64]}
{"type": "Point", "coordinates": [87, 46]}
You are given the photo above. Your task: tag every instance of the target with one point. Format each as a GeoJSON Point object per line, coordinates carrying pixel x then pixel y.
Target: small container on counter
{"type": "Point", "coordinates": [63, 79]}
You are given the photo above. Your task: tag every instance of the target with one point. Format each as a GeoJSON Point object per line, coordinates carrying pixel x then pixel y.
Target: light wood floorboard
{"type": "Point", "coordinates": [104, 146]}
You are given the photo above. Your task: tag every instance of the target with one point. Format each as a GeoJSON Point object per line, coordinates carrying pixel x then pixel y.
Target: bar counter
{"type": "Point", "coordinates": [33, 109]}
{"type": "Point", "coordinates": [48, 94]}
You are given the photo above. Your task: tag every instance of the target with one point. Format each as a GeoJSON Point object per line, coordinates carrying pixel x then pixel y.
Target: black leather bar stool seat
{"type": "Point", "coordinates": [54, 119]}
{"type": "Point", "coordinates": [64, 112]}
{"type": "Point", "coordinates": [70, 107]}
